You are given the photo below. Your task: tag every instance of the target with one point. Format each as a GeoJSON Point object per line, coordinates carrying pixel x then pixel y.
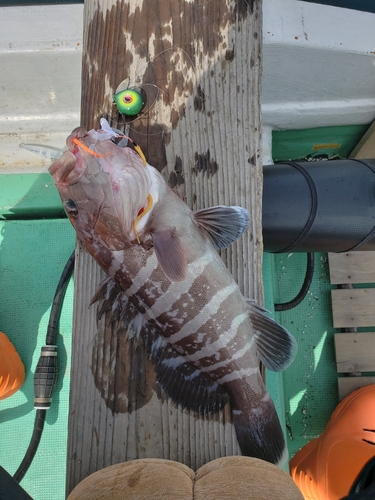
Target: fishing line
{"type": "Point", "coordinates": [151, 100]}
{"type": "Point", "coordinates": [122, 121]}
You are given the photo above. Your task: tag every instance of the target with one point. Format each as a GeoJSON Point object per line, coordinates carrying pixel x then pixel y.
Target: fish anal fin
{"type": "Point", "coordinates": [185, 384]}
{"type": "Point", "coordinates": [170, 254]}
{"type": "Point", "coordinates": [276, 347]}
{"type": "Point", "coordinates": [222, 224]}
{"type": "Point", "coordinates": [106, 287]}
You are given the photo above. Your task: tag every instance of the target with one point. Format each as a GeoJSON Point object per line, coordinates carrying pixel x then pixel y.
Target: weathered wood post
{"type": "Point", "coordinates": [199, 62]}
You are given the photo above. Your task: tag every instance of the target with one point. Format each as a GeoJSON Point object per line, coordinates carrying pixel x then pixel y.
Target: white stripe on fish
{"type": "Point", "coordinates": [221, 364]}
{"type": "Point", "coordinates": [207, 311]}
{"type": "Point", "coordinates": [238, 374]}
{"type": "Point", "coordinates": [172, 295]}
{"type": "Point", "coordinates": [143, 275]}
{"type": "Point", "coordinates": [211, 348]}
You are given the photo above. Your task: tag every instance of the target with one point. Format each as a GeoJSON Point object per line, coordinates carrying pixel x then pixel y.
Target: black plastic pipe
{"type": "Point", "coordinates": [323, 206]}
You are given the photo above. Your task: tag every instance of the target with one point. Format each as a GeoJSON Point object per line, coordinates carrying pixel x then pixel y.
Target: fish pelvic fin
{"type": "Point", "coordinates": [170, 254]}
{"type": "Point", "coordinates": [119, 311]}
{"type": "Point", "coordinates": [276, 347]}
{"type": "Point", "coordinates": [259, 432]}
{"type": "Point", "coordinates": [222, 224]}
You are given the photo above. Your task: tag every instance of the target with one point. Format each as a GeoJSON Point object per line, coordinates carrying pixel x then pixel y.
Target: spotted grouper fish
{"type": "Point", "coordinates": [165, 276]}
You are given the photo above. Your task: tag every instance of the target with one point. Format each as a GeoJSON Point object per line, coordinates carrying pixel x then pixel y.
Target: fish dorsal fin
{"type": "Point", "coordinates": [276, 347]}
{"type": "Point", "coordinates": [222, 224]}
{"type": "Point", "coordinates": [170, 254]}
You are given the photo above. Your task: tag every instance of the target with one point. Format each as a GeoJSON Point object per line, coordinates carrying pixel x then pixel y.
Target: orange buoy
{"type": "Point", "coordinates": [326, 468]}
{"type": "Point", "coordinates": [12, 370]}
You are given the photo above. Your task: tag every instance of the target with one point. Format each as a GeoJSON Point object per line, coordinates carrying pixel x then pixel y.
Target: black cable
{"type": "Point", "coordinates": [46, 372]}
{"type": "Point", "coordinates": [304, 289]}
{"type": "Point", "coordinates": [40, 416]}
{"type": "Point", "coordinates": [52, 329]}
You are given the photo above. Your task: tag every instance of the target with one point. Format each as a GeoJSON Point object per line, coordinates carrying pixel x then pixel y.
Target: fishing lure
{"type": "Point", "coordinates": [104, 133]}
{"type": "Point", "coordinates": [49, 152]}
{"type": "Point", "coordinates": [129, 102]}
{"type": "Point", "coordinates": [137, 94]}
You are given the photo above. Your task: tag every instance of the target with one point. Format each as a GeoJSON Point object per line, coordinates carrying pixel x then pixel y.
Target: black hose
{"type": "Point", "coordinates": [40, 416]}
{"type": "Point", "coordinates": [46, 372]}
{"type": "Point", "coordinates": [304, 289]}
{"type": "Point", "coordinates": [54, 318]}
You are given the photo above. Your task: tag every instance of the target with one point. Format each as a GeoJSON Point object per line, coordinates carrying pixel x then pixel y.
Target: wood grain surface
{"type": "Point", "coordinates": [200, 63]}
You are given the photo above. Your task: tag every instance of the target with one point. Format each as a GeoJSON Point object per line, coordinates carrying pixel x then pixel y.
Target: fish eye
{"type": "Point", "coordinates": [71, 208]}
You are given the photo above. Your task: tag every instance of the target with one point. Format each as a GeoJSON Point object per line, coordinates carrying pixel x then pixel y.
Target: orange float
{"type": "Point", "coordinates": [12, 370]}
{"type": "Point", "coordinates": [326, 468]}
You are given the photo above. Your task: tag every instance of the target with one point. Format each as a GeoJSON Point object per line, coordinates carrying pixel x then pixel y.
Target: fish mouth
{"type": "Point", "coordinates": [64, 169]}
{"type": "Point", "coordinates": [67, 170]}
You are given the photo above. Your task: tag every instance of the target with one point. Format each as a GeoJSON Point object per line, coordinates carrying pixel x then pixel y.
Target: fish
{"type": "Point", "coordinates": [165, 277]}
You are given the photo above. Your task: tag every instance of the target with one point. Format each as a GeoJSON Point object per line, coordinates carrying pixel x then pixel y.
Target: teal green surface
{"type": "Point", "coordinates": [309, 386]}
{"type": "Point", "coordinates": [306, 393]}
{"type": "Point", "coordinates": [274, 380]}
{"type": "Point", "coordinates": [32, 256]}
{"type": "Point", "coordinates": [31, 196]}
{"type": "Point", "coordinates": [326, 142]}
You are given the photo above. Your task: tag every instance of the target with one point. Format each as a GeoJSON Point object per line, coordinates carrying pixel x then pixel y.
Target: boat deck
{"type": "Point", "coordinates": [26, 290]}
{"type": "Point", "coordinates": [32, 256]}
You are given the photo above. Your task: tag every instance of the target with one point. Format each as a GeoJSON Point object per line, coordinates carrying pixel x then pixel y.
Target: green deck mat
{"type": "Point", "coordinates": [306, 393]}
{"type": "Point", "coordinates": [308, 388]}
{"type": "Point", "coordinates": [33, 254]}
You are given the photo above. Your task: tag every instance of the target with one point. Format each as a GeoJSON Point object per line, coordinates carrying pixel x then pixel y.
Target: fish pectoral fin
{"type": "Point", "coordinates": [276, 347]}
{"type": "Point", "coordinates": [170, 254]}
{"type": "Point", "coordinates": [222, 224]}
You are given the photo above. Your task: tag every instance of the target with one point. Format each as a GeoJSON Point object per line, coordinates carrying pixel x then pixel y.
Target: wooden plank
{"type": "Point", "coordinates": [366, 146]}
{"type": "Point", "coordinates": [117, 413]}
{"type": "Point", "coordinates": [354, 307]}
{"type": "Point", "coordinates": [355, 352]}
{"type": "Point", "coordinates": [204, 133]}
{"type": "Point", "coordinates": [346, 385]}
{"type": "Point", "coordinates": [351, 267]}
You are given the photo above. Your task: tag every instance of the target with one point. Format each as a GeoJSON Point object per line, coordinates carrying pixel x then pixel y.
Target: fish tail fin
{"type": "Point", "coordinates": [259, 433]}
